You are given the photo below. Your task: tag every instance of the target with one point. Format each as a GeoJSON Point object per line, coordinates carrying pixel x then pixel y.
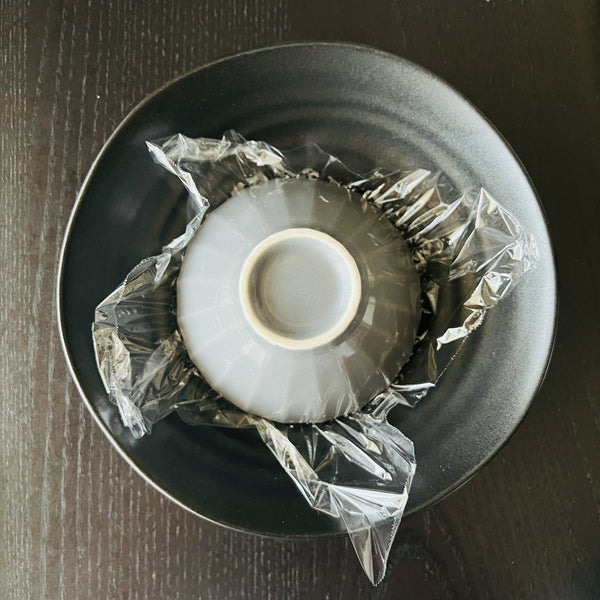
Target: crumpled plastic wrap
{"type": "Point", "coordinates": [469, 251]}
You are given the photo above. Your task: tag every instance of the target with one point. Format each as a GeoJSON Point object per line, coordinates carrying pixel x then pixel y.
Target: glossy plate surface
{"type": "Point", "coordinates": [370, 109]}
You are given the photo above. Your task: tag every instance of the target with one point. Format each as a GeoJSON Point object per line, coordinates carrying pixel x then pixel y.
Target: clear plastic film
{"type": "Point", "coordinates": [469, 252]}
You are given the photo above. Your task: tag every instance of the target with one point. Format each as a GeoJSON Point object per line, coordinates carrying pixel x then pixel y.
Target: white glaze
{"type": "Point", "coordinates": [296, 363]}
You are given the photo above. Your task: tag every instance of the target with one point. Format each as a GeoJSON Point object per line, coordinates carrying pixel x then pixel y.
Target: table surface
{"type": "Point", "coordinates": [76, 521]}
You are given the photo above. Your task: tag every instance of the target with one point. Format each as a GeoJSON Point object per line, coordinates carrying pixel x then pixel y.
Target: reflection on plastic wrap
{"type": "Point", "coordinates": [470, 252]}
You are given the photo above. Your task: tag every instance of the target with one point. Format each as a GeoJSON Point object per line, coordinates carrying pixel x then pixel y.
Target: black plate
{"type": "Point", "coordinates": [370, 109]}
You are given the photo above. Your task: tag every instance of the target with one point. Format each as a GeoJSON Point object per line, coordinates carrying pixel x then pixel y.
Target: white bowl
{"type": "Point", "coordinates": [298, 301]}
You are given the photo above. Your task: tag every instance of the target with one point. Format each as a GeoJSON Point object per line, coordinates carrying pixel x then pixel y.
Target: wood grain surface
{"type": "Point", "coordinates": [76, 521]}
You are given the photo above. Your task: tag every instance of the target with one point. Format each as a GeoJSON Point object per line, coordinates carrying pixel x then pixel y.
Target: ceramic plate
{"type": "Point", "coordinates": [370, 109]}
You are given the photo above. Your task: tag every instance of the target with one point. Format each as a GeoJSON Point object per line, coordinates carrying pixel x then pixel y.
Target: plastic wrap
{"type": "Point", "coordinates": [358, 468]}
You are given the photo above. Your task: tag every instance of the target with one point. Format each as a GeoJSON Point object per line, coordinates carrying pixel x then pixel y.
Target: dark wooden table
{"type": "Point", "coordinates": [76, 521]}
